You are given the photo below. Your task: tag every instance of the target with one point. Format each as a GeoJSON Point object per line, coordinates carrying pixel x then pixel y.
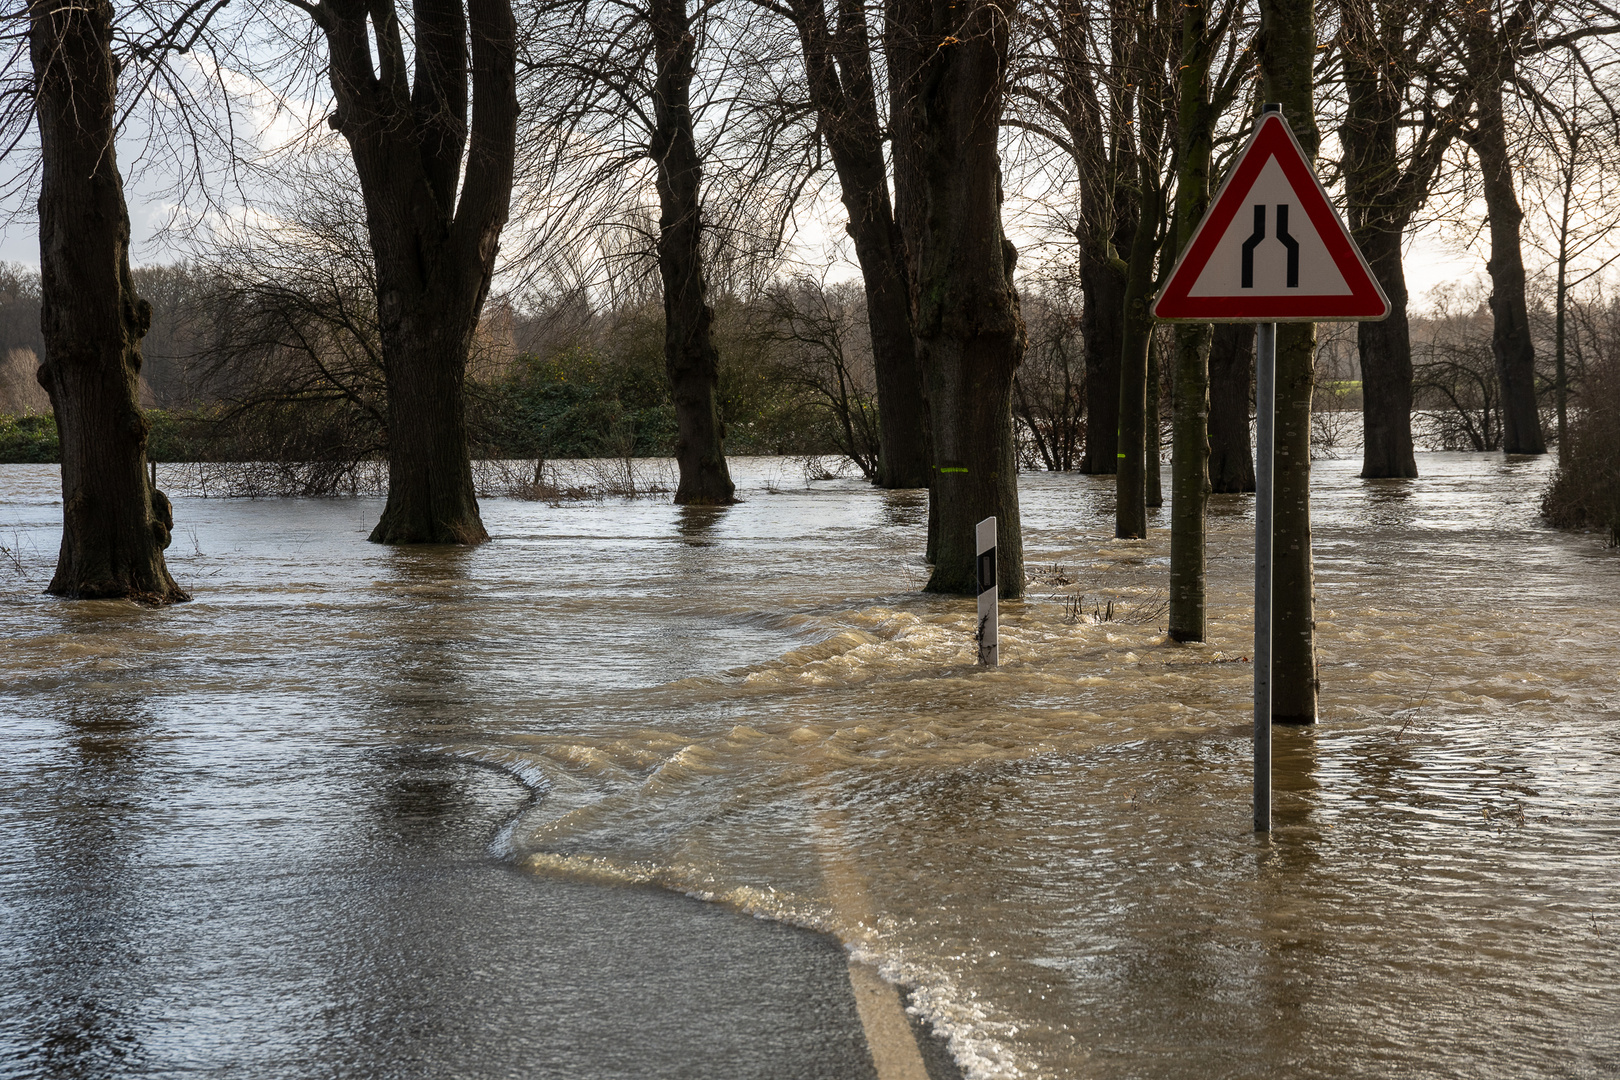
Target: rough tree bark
{"type": "Point", "coordinates": [115, 523]}
{"type": "Point", "coordinates": [1511, 342]}
{"type": "Point", "coordinates": [1287, 54]}
{"type": "Point", "coordinates": [1231, 393]}
{"type": "Point", "coordinates": [689, 354]}
{"type": "Point", "coordinates": [1383, 51]}
{"type": "Point", "coordinates": [838, 69]}
{"type": "Point", "coordinates": [410, 139]}
{"type": "Point", "coordinates": [970, 333]}
{"type": "Point", "coordinates": [1189, 453]}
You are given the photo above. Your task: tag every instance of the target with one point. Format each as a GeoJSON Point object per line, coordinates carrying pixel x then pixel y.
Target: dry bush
{"type": "Point", "coordinates": [1585, 490]}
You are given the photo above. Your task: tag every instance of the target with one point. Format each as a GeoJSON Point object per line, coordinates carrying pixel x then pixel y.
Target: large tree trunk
{"type": "Point", "coordinates": [1386, 363]}
{"type": "Point", "coordinates": [1189, 453]}
{"type": "Point", "coordinates": [1510, 317]}
{"type": "Point", "coordinates": [115, 523]}
{"type": "Point", "coordinates": [1231, 393]}
{"type": "Point", "coordinates": [839, 76]}
{"type": "Point", "coordinates": [1288, 30]}
{"type": "Point", "coordinates": [434, 252]}
{"type": "Point", "coordinates": [969, 331]}
{"type": "Point", "coordinates": [689, 353]}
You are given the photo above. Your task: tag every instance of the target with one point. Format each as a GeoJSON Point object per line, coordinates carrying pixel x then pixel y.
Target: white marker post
{"type": "Point", "coordinates": [1265, 437]}
{"type": "Point", "coordinates": [989, 610]}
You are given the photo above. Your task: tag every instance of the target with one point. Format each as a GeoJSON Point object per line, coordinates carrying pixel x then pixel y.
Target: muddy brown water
{"type": "Point", "coordinates": [754, 706]}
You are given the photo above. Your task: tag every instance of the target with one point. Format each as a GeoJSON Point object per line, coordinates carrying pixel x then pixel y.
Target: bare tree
{"type": "Point", "coordinates": [1579, 136]}
{"type": "Point", "coordinates": [429, 114]}
{"type": "Point", "coordinates": [1072, 88]}
{"type": "Point", "coordinates": [820, 348]}
{"type": "Point", "coordinates": [1049, 391]}
{"type": "Point", "coordinates": [839, 77]}
{"type": "Point", "coordinates": [1402, 108]}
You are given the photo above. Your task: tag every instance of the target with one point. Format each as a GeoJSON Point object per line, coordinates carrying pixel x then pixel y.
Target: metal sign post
{"type": "Point", "coordinates": [989, 611]}
{"type": "Point", "coordinates": [1270, 249]}
{"type": "Point", "coordinates": [1265, 424]}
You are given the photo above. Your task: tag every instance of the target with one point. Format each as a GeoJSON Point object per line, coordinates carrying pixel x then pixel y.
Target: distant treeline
{"type": "Point", "coordinates": [258, 365]}
{"type": "Point", "coordinates": [271, 366]}
{"type": "Point", "coordinates": [266, 360]}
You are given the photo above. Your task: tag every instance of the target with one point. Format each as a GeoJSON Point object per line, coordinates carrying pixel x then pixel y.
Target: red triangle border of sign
{"type": "Point", "coordinates": [1273, 139]}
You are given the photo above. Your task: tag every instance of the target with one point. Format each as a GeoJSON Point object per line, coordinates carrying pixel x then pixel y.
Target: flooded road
{"type": "Point", "coordinates": [754, 706]}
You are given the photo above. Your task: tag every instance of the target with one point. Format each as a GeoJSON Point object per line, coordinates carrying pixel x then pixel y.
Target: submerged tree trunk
{"type": "Point", "coordinates": [1130, 503]}
{"type": "Point", "coordinates": [1386, 364]}
{"type": "Point", "coordinates": [1288, 29]}
{"type": "Point", "coordinates": [1102, 332]}
{"type": "Point", "coordinates": [689, 353]}
{"type": "Point", "coordinates": [115, 523]}
{"type": "Point", "coordinates": [1231, 393]}
{"type": "Point", "coordinates": [1511, 343]}
{"type": "Point", "coordinates": [1097, 101]}
{"type": "Point", "coordinates": [435, 174]}
{"type": "Point", "coordinates": [969, 330]}
{"type": "Point", "coordinates": [839, 76]}
{"type": "Point", "coordinates": [1189, 453]}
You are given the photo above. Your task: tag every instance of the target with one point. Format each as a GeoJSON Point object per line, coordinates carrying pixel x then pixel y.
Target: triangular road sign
{"type": "Point", "coordinates": [1271, 248]}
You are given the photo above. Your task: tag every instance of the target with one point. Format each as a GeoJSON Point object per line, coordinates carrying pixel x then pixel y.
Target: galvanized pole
{"type": "Point", "coordinates": [989, 607]}
{"type": "Point", "coordinates": [1265, 419]}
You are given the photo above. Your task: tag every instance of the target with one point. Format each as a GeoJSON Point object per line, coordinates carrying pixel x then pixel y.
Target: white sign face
{"type": "Point", "coordinates": [1271, 248]}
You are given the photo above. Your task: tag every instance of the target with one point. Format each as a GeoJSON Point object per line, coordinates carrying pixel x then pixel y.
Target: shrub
{"type": "Point", "coordinates": [29, 440]}
{"type": "Point", "coordinates": [1585, 490]}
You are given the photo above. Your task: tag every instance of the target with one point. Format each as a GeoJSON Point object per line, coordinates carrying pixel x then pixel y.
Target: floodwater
{"type": "Point", "coordinates": [754, 706]}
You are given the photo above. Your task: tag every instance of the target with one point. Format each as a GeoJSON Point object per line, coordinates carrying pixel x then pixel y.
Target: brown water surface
{"type": "Point", "coordinates": [754, 705]}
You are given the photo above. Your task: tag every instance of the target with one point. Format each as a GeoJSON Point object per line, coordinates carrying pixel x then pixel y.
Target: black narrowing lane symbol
{"type": "Point", "coordinates": [1259, 234]}
{"type": "Point", "coordinates": [1290, 243]}
{"type": "Point", "coordinates": [1249, 245]}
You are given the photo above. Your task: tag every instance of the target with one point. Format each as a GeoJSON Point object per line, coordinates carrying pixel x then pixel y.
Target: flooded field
{"type": "Point", "coordinates": [755, 706]}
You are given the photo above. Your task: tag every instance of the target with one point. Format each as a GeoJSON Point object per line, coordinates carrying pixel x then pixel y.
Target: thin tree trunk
{"type": "Point", "coordinates": [434, 153]}
{"type": "Point", "coordinates": [1189, 447]}
{"type": "Point", "coordinates": [115, 522]}
{"type": "Point", "coordinates": [689, 353]}
{"type": "Point", "coordinates": [1288, 30]}
{"type": "Point", "coordinates": [1560, 372]}
{"type": "Point", "coordinates": [839, 77]}
{"type": "Point", "coordinates": [1561, 301]}
{"type": "Point", "coordinates": [1386, 364]}
{"type": "Point", "coordinates": [969, 331]}
{"type": "Point", "coordinates": [1510, 317]}
{"type": "Point", "coordinates": [1231, 394]}
{"type": "Point", "coordinates": [1130, 503]}
{"type": "Point", "coordinates": [1387, 176]}
{"type": "Point", "coordinates": [1153, 464]}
